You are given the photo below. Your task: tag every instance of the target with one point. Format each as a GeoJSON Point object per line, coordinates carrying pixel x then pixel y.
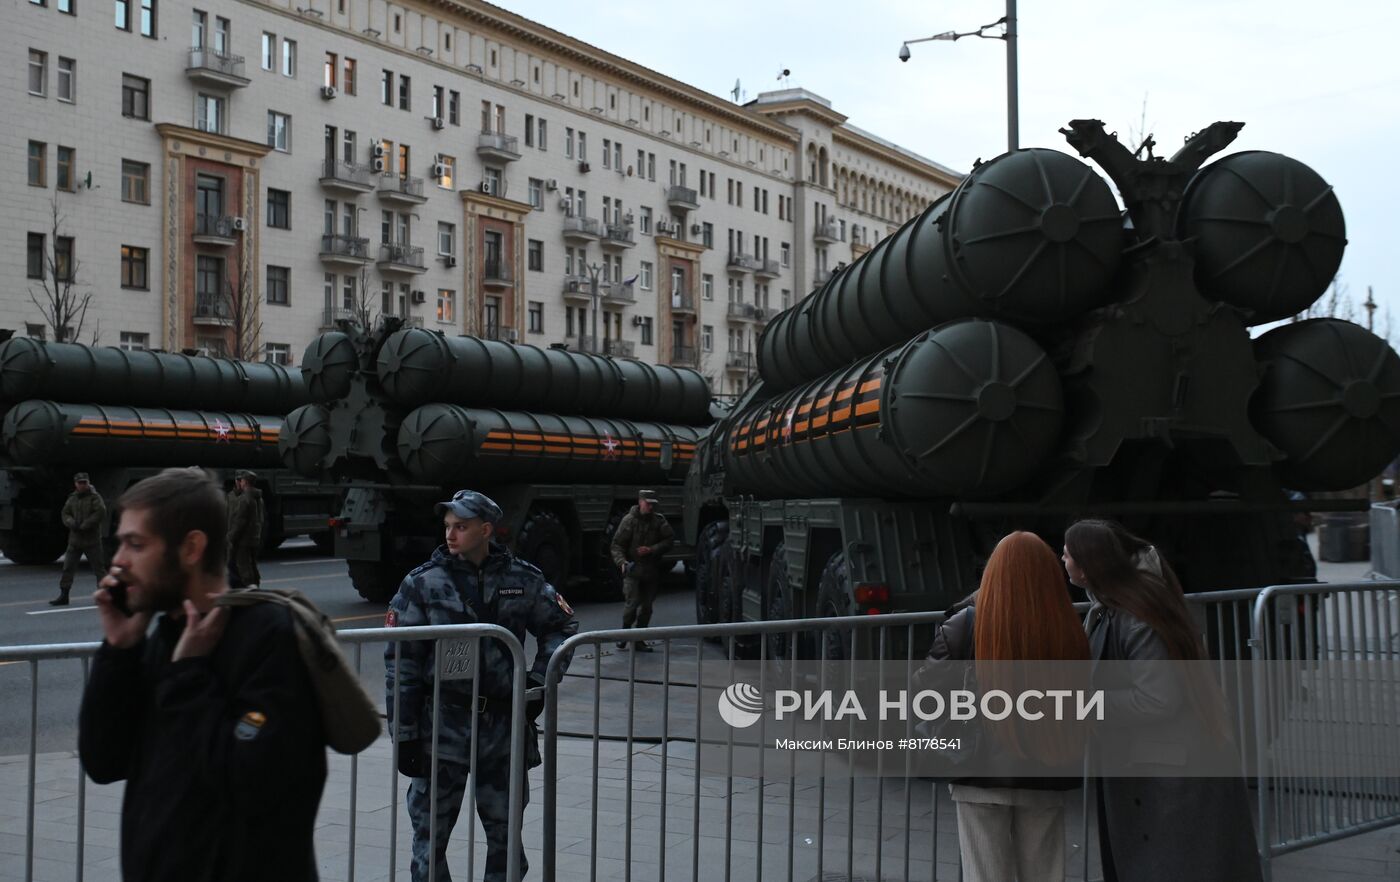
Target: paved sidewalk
{"type": "Point", "coordinates": [729, 838]}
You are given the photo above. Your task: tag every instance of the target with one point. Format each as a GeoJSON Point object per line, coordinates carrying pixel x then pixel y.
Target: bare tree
{"type": "Point", "coordinates": [1140, 135]}
{"type": "Point", "coordinates": [241, 311]}
{"type": "Point", "coordinates": [364, 311]}
{"type": "Point", "coordinates": [1336, 303]}
{"type": "Point", "coordinates": [59, 298]}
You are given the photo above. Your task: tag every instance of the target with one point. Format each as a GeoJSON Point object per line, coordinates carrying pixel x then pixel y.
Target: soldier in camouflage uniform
{"type": "Point", "coordinates": [469, 579]}
{"type": "Point", "coordinates": [639, 544]}
{"type": "Point", "coordinates": [245, 525]}
{"type": "Point", "coordinates": [83, 514]}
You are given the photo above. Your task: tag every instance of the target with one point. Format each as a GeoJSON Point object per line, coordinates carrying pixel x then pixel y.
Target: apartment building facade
{"type": "Point", "coordinates": [238, 176]}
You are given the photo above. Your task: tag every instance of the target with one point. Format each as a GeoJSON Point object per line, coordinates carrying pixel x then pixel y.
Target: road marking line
{"type": "Point", "coordinates": [61, 609]}
{"type": "Point", "coordinates": [302, 563]}
{"type": "Point", "coordinates": [376, 616]}
{"type": "Point", "coordinates": [303, 579]}
{"type": "Point", "coordinates": [80, 607]}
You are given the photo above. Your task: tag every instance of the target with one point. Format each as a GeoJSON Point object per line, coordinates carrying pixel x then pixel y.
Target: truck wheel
{"type": "Point", "coordinates": [30, 549]}
{"type": "Point", "coordinates": [544, 542]}
{"type": "Point", "coordinates": [778, 606]}
{"type": "Point", "coordinates": [606, 582]}
{"type": "Point", "coordinates": [325, 542]}
{"type": "Point", "coordinates": [834, 599]}
{"type": "Point", "coordinates": [707, 550]}
{"type": "Point", "coordinates": [376, 581]}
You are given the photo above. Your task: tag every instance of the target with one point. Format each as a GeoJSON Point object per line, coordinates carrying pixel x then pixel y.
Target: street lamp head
{"type": "Point", "coordinates": [904, 52]}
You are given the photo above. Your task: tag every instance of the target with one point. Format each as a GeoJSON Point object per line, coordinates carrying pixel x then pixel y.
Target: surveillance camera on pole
{"type": "Point", "coordinates": [904, 52]}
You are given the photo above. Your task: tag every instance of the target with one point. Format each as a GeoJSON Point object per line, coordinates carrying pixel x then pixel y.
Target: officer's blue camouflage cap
{"type": "Point", "coordinates": [470, 504]}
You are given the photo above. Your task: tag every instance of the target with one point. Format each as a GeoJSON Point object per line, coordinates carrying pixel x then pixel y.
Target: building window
{"type": "Point", "coordinates": [36, 259]}
{"type": "Point", "coordinates": [347, 79]}
{"type": "Point", "coordinates": [534, 255]}
{"type": "Point", "coordinates": [707, 286]}
{"type": "Point", "coordinates": [651, 167]}
{"type": "Point", "coordinates": [446, 305]}
{"type": "Point", "coordinates": [386, 88]}
{"type": "Point", "coordinates": [529, 130]}
{"type": "Point", "coordinates": [543, 141]}
{"type": "Point", "coordinates": [67, 79]}
{"type": "Point", "coordinates": [277, 353]}
{"type": "Point", "coordinates": [607, 153]}
{"type": "Point", "coordinates": [449, 171]}
{"type": "Point", "coordinates": [38, 162]}
{"type": "Point", "coordinates": [63, 266]}
{"type": "Point", "coordinates": [38, 72]}
{"type": "Point", "coordinates": [133, 341]}
{"type": "Point", "coordinates": [568, 143]}
{"type": "Point", "coordinates": [707, 338]}
{"type": "Point", "coordinates": [535, 317]}
{"type": "Point", "coordinates": [279, 209]}
{"type": "Point", "coordinates": [269, 51]}
{"type": "Point", "coordinates": [148, 18]}
{"type": "Point", "coordinates": [646, 331]}
{"type": "Point", "coordinates": [289, 57]}
{"type": "Point", "coordinates": [785, 250]}
{"type": "Point", "coordinates": [537, 193]}
{"type": "Point", "coordinates": [66, 179]}
{"type": "Point", "coordinates": [644, 276]}
{"type": "Point", "coordinates": [278, 285]}
{"type": "Point", "coordinates": [405, 93]}
{"type": "Point", "coordinates": [330, 73]}
{"type": "Point", "coordinates": [279, 131]}
{"type": "Point", "coordinates": [447, 237]}
{"type": "Point", "coordinates": [454, 107]}
{"type": "Point", "coordinates": [210, 109]}
{"type": "Point", "coordinates": [135, 266]}
{"type": "Point", "coordinates": [439, 99]}
{"type": "Point", "coordinates": [136, 97]}
{"type": "Point", "coordinates": [136, 182]}
{"type": "Point", "coordinates": [707, 234]}
{"type": "Point", "coordinates": [123, 19]}
{"type": "Point", "coordinates": [646, 220]}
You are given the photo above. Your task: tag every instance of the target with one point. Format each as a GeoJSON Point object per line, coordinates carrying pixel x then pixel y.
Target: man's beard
{"type": "Point", "coordinates": [167, 590]}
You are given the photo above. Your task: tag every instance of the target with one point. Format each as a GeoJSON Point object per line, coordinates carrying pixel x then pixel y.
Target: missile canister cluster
{"type": "Point", "coordinates": [986, 340]}
{"type": "Point", "coordinates": [70, 403]}
{"type": "Point", "coordinates": [431, 407]}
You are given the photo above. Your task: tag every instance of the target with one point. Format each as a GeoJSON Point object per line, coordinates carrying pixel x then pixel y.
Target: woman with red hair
{"type": "Point", "coordinates": [1013, 829]}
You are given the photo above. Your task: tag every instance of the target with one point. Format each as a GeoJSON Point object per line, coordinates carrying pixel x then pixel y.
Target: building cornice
{"type": "Point", "coordinates": [805, 106]}
{"type": "Point", "coordinates": [668, 247]}
{"type": "Point", "coordinates": [173, 132]}
{"type": "Point", "coordinates": [509, 208]}
{"type": "Point", "coordinates": [894, 157]}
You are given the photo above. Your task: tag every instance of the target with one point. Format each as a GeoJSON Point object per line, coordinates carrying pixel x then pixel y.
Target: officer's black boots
{"type": "Point", "coordinates": [61, 599]}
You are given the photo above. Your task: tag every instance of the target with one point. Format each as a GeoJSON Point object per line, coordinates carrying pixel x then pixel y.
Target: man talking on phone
{"type": "Point", "coordinates": [209, 716]}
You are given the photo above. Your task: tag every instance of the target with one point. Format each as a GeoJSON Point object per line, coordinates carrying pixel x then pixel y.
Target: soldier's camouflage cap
{"type": "Point", "coordinates": [470, 504]}
{"type": "Point", "coordinates": [80, 476]}
{"type": "Point", "coordinates": [647, 494]}
{"type": "Point", "coordinates": [247, 474]}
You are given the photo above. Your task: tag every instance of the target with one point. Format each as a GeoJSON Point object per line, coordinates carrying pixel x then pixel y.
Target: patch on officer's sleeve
{"type": "Point", "coordinates": [391, 618]}
{"type": "Point", "coordinates": [563, 604]}
{"type": "Point", "coordinates": [249, 726]}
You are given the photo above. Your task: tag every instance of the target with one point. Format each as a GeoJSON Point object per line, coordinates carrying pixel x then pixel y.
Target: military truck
{"type": "Point", "coordinates": [1025, 353]}
{"type": "Point", "coordinates": [122, 416]}
{"type": "Point", "coordinates": [562, 440]}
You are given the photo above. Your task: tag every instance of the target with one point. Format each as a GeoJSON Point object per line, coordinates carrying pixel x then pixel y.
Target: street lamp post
{"type": "Point", "coordinates": [1007, 21]}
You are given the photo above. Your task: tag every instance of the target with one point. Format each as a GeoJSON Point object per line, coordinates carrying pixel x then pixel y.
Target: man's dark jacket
{"type": "Point", "coordinates": [637, 530]}
{"type": "Point", "coordinates": [223, 756]}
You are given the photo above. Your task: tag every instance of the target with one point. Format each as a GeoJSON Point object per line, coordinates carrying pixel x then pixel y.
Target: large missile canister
{"type": "Point", "coordinates": [1330, 400]}
{"type": "Point", "coordinates": [447, 444]}
{"type": "Point", "coordinates": [969, 409]}
{"type": "Point", "coordinates": [327, 365]}
{"type": "Point", "coordinates": [1269, 233]}
{"type": "Point", "coordinates": [305, 439]}
{"type": "Point", "coordinates": [43, 432]}
{"type": "Point", "coordinates": [1031, 236]}
{"type": "Point", "coordinates": [417, 367]}
{"type": "Point", "coordinates": [30, 369]}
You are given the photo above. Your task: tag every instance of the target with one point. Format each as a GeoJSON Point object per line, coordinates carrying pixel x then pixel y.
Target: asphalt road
{"type": "Point", "coordinates": [27, 619]}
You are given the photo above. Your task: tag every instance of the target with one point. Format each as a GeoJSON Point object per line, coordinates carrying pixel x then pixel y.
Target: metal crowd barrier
{"type": "Point", "coordinates": [1385, 539]}
{"type": "Point", "coordinates": [355, 641]}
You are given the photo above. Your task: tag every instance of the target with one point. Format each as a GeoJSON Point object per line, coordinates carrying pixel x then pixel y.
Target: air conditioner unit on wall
{"type": "Point", "coordinates": [419, 297]}
{"type": "Point", "coordinates": [328, 91]}
{"type": "Point", "coordinates": [239, 224]}
{"type": "Point", "coordinates": [695, 229]}
{"type": "Point", "coordinates": [551, 184]}
{"type": "Point", "coordinates": [377, 151]}
{"type": "Point", "coordinates": [377, 164]}
{"type": "Point", "coordinates": [439, 122]}
{"type": "Point", "coordinates": [638, 321]}
{"type": "Point", "coordinates": [565, 204]}
{"type": "Point", "coordinates": [584, 167]}
{"type": "Point", "coordinates": [450, 260]}
{"type": "Point", "coordinates": [486, 186]}
{"type": "Point", "coordinates": [439, 170]}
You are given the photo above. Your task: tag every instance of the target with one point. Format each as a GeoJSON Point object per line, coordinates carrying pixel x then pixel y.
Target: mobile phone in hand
{"type": "Point", "coordinates": [118, 594]}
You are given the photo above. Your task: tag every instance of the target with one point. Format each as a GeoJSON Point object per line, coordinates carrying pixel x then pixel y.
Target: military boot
{"type": "Point", "coordinates": [62, 598]}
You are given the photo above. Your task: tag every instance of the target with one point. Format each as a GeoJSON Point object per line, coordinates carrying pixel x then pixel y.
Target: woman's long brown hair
{"type": "Point", "coordinates": [1024, 614]}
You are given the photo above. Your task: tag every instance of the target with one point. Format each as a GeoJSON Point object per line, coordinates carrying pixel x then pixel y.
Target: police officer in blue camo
{"type": "Point", "coordinates": [469, 579]}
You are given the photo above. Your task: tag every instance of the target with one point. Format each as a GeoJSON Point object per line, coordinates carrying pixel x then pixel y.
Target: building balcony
{"type": "Point", "coordinates": [576, 290]}
{"type": "Point", "coordinates": [497, 274]}
{"type": "Point", "coordinates": [499, 332]}
{"type": "Point", "coordinates": [582, 229]}
{"type": "Point", "coordinates": [494, 145]}
{"type": "Point", "coordinates": [741, 311]}
{"type": "Point", "coordinates": [207, 67]}
{"type": "Point", "coordinates": [400, 258]}
{"type": "Point", "coordinates": [682, 198]}
{"type": "Point", "coordinates": [768, 269]}
{"type": "Point", "coordinates": [764, 314]}
{"type": "Point", "coordinates": [348, 178]}
{"type": "Point", "coordinates": [212, 309]}
{"type": "Point", "coordinates": [683, 304]}
{"type": "Point", "coordinates": [332, 314]}
{"type": "Point", "coordinates": [821, 277]}
{"type": "Point", "coordinates": [740, 362]}
{"type": "Point", "coordinates": [344, 250]}
{"type": "Point", "coordinates": [743, 263]}
{"type": "Point", "coordinates": [409, 321]}
{"type": "Point", "coordinates": [618, 294]}
{"type": "Point", "coordinates": [619, 348]}
{"type": "Point", "coordinates": [215, 229]}
{"type": "Point", "coordinates": [685, 356]}
{"type": "Point", "coordinates": [401, 190]}
{"type": "Point", "coordinates": [617, 236]}
{"type": "Point", "coordinates": [588, 343]}
{"type": "Point", "coordinates": [827, 233]}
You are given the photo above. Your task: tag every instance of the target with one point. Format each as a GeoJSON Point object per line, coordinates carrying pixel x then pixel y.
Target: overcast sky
{"type": "Point", "coordinates": [1317, 81]}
